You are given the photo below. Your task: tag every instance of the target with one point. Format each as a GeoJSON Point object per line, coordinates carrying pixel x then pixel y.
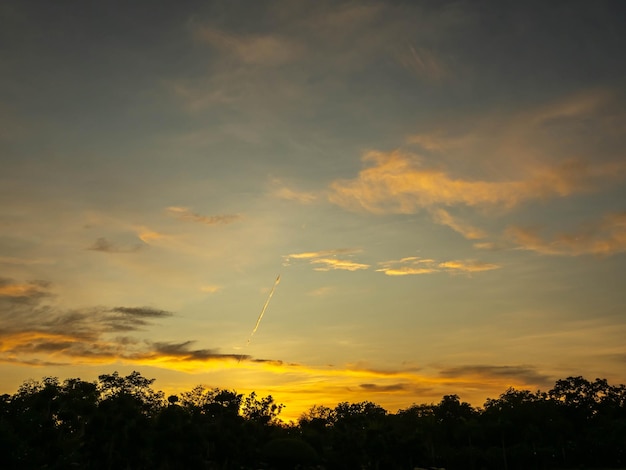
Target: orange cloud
{"type": "Point", "coordinates": [443, 217]}
{"type": "Point", "coordinates": [604, 237]}
{"type": "Point", "coordinates": [146, 235]}
{"type": "Point", "coordinates": [320, 254]}
{"type": "Point", "coordinates": [17, 290]}
{"type": "Point", "coordinates": [414, 265]}
{"type": "Point", "coordinates": [326, 260]}
{"type": "Point", "coordinates": [328, 264]}
{"type": "Point", "coordinates": [397, 182]}
{"type": "Point", "coordinates": [292, 195]}
{"type": "Point", "coordinates": [468, 266]}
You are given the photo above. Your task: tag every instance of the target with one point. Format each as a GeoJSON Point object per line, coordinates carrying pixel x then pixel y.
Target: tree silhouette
{"type": "Point", "coordinates": [122, 422]}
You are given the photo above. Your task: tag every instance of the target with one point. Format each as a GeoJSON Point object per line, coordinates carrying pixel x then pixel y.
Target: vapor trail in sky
{"type": "Point", "coordinates": [267, 302]}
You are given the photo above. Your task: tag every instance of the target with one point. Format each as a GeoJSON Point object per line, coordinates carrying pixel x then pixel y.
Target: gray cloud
{"type": "Point", "coordinates": [35, 334]}
{"type": "Point", "coordinates": [105, 246]}
{"type": "Point", "coordinates": [528, 374]}
{"type": "Point", "coordinates": [141, 312]}
{"type": "Point", "coordinates": [23, 292]}
{"type": "Point", "coordinates": [184, 213]}
{"type": "Point", "coordinates": [182, 351]}
{"type": "Point", "coordinates": [384, 388]}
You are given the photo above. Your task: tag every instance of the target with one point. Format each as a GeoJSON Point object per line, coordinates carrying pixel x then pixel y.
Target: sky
{"type": "Point", "coordinates": [439, 185]}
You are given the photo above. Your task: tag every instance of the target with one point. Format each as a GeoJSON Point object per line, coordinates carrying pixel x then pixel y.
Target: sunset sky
{"type": "Point", "coordinates": [441, 187]}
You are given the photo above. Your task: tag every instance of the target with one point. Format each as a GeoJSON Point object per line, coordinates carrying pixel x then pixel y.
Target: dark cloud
{"type": "Point", "coordinates": [384, 388]}
{"type": "Point", "coordinates": [182, 351]}
{"type": "Point", "coordinates": [105, 246]}
{"type": "Point", "coordinates": [141, 312]}
{"type": "Point", "coordinates": [30, 292]}
{"type": "Point", "coordinates": [35, 334]}
{"type": "Point", "coordinates": [526, 374]}
{"type": "Point", "coordinates": [276, 362]}
{"type": "Point", "coordinates": [32, 362]}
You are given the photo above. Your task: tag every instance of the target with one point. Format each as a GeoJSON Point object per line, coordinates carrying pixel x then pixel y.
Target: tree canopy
{"type": "Point", "coordinates": [122, 422]}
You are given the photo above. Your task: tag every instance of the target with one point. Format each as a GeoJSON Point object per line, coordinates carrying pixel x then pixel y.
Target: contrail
{"type": "Point", "coordinates": [267, 302]}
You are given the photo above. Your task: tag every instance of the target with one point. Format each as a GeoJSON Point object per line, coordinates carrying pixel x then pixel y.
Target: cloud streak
{"type": "Point", "coordinates": [606, 236]}
{"type": "Point", "coordinates": [527, 374]}
{"type": "Point", "coordinates": [183, 213]}
{"type": "Point", "coordinates": [425, 64]}
{"type": "Point", "coordinates": [105, 246]}
{"type": "Point", "coordinates": [443, 217]}
{"type": "Point", "coordinates": [414, 265]}
{"type": "Point", "coordinates": [326, 260]}
{"type": "Point", "coordinates": [289, 194]}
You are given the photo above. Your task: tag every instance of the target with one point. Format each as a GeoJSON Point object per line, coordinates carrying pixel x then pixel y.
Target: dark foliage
{"type": "Point", "coordinates": [122, 423]}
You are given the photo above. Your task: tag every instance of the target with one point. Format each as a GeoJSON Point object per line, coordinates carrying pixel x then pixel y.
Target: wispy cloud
{"type": "Point", "coordinates": [183, 213]}
{"type": "Point", "coordinates": [424, 63]}
{"type": "Point", "coordinates": [167, 351]}
{"type": "Point", "coordinates": [321, 291]}
{"type": "Point", "coordinates": [106, 246]}
{"type": "Point", "coordinates": [263, 50]}
{"type": "Point", "coordinates": [331, 264]}
{"type": "Point", "coordinates": [443, 217]}
{"type": "Point", "coordinates": [23, 292]}
{"type": "Point", "coordinates": [211, 288]}
{"type": "Point", "coordinates": [320, 254]}
{"type": "Point", "coordinates": [384, 388]}
{"type": "Point", "coordinates": [293, 195]}
{"type": "Point", "coordinates": [34, 330]}
{"type": "Point", "coordinates": [606, 236]}
{"type": "Point", "coordinates": [327, 260]}
{"type": "Point", "coordinates": [36, 333]}
{"type": "Point", "coordinates": [415, 265]}
{"type": "Point", "coordinates": [398, 182]}
{"type": "Point", "coordinates": [13, 260]}
{"type": "Point", "coordinates": [523, 373]}
{"type": "Point", "coordinates": [495, 164]}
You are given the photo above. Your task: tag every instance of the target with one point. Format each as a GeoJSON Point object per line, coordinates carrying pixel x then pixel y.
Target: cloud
{"type": "Point", "coordinates": [468, 266]}
{"type": "Point", "coordinates": [184, 213]}
{"type": "Point", "coordinates": [330, 264]}
{"type": "Point", "coordinates": [443, 217]}
{"type": "Point", "coordinates": [326, 260]}
{"type": "Point", "coordinates": [260, 50]}
{"type": "Point", "coordinates": [145, 312]}
{"type": "Point", "coordinates": [424, 63]}
{"type": "Point", "coordinates": [384, 388]}
{"type": "Point", "coordinates": [105, 246]}
{"type": "Point", "coordinates": [398, 182]}
{"type": "Point", "coordinates": [321, 291]}
{"type": "Point", "coordinates": [34, 331]}
{"type": "Point", "coordinates": [25, 292]}
{"type": "Point", "coordinates": [320, 254]}
{"type": "Point", "coordinates": [146, 235]}
{"type": "Point", "coordinates": [526, 374]}
{"type": "Point", "coordinates": [37, 334]}
{"type": "Point", "coordinates": [181, 351]}
{"type": "Point", "coordinates": [211, 289]}
{"type": "Point", "coordinates": [292, 195]}
{"type": "Point", "coordinates": [414, 265]}
{"type": "Point", "coordinates": [12, 260]}
{"type": "Point", "coordinates": [606, 236]}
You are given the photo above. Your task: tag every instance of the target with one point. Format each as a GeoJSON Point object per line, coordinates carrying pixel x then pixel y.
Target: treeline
{"type": "Point", "coordinates": [123, 423]}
